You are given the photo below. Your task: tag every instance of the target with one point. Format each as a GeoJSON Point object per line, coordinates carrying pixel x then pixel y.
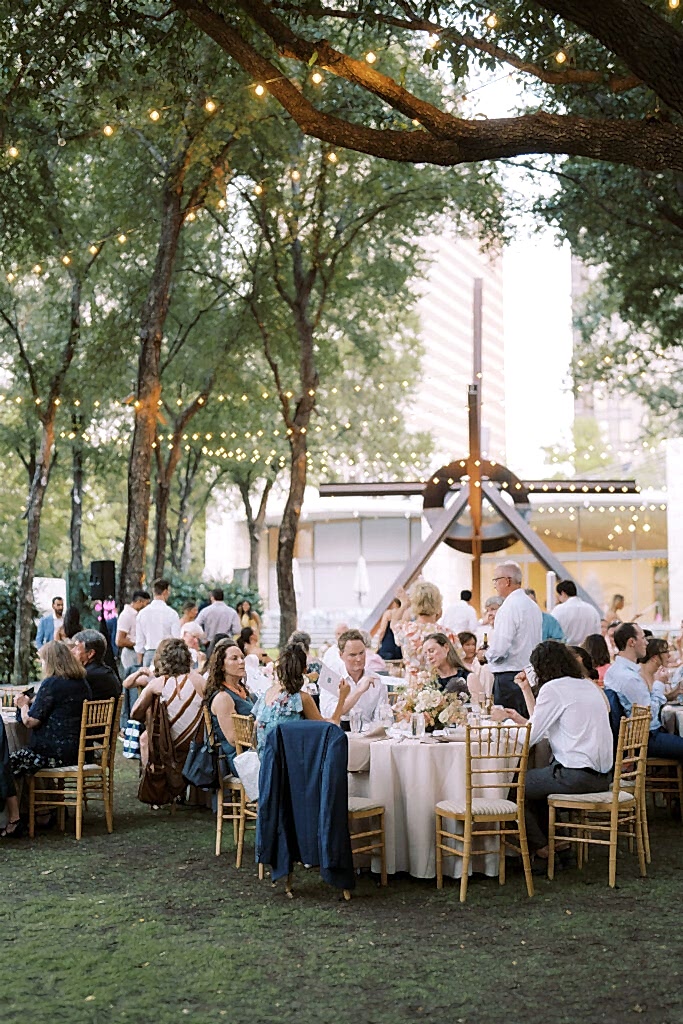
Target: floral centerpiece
{"type": "Point", "coordinates": [440, 709]}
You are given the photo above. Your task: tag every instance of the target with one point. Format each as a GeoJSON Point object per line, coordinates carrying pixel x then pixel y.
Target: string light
{"type": "Point", "coordinates": [296, 176]}
{"type": "Point", "coordinates": [154, 115]}
{"type": "Point", "coordinates": [108, 130]}
{"type": "Point", "coordinates": [93, 250]}
{"type": "Point", "coordinates": [121, 238]}
{"type": "Point", "coordinates": [222, 204]}
{"type": "Point", "coordinates": [561, 57]}
{"type": "Point", "coordinates": [66, 260]}
{"type": "Point", "coordinates": [13, 152]}
{"type": "Point", "coordinates": [332, 157]}
{"type": "Point", "coordinates": [316, 78]}
{"type": "Point", "coordinates": [370, 57]}
{"type": "Point", "coordinates": [10, 277]}
{"type": "Point", "coordinates": [491, 21]}
{"type": "Point", "coordinates": [260, 90]}
{"type": "Point", "coordinates": [37, 269]}
{"type": "Point", "coordinates": [210, 106]}
{"type": "Point", "coordinates": [258, 189]}
{"type": "Point", "coordinates": [191, 216]}
{"type": "Point", "coordinates": [673, 4]}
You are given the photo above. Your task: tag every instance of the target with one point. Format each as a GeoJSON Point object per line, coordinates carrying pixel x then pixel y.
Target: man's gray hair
{"type": "Point", "coordinates": [493, 602]}
{"type": "Point", "coordinates": [511, 570]}
{"type": "Point", "coordinates": [92, 640]}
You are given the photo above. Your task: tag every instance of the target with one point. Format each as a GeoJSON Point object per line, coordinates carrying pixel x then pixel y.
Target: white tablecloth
{"type": "Point", "coordinates": [672, 718]}
{"type": "Point", "coordinates": [16, 732]}
{"type": "Point", "coordinates": [409, 778]}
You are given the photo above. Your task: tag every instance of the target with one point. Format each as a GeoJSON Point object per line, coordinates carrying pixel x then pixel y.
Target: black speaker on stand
{"type": "Point", "coordinates": [103, 588]}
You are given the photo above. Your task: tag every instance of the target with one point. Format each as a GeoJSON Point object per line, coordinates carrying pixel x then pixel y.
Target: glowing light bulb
{"type": "Point", "coordinates": [210, 106]}
{"type": "Point", "coordinates": [222, 204]}
{"type": "Point", "coordinates": [93, 250]}
{"type": "Point", "coordinates": [258, 189]}
{"type": "Point", "coordinates": [191, 216]}
{"type": "Point", "coordinates": [491, 21]}
{"type": "Point", "coordinates": [370, 57]}
{"type": "Point", "coordinates": [260, 90]}
{"type": "Point", "coordinates": [316, 78]}
{"type": "Point", "coordinates": [296, 176]}
{"type": "Point", "coordinates": [673, 4]}
{"type": "Point", "coordinates": [108, 130]}
{"type": "Point", "coordinates": [13, 152]}
{"type": "Point", "coordinates": [66, 260]}
{"type": "Point", "coordinates": [37, 269]}
{"type": "Point", "coordinates": [121, 238]}
{"type": "Point", "coordinates": [154, 115]}
{"type": "Point", "coordinates": [561, 57]}
{"type": "Point", "coordinates": [332, 157]}
{"type": "Point", "coordinates": [416, 123]}
{"type": "Point", "coordinates": [10, 277]}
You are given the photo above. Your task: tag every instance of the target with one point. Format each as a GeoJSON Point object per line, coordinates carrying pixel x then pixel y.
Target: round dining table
{"type": "Point", "coordinates": [408, 777]}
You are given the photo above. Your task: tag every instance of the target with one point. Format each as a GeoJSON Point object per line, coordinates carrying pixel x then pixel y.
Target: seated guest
{"type": "Point", "coordinates": [180, 688]}
{"type": "Point", "coordinates": [648, 688]}
{"type": "Point", "coordinates": [227, 695]}
{"type": "Point", "coordinates": [197, 655]}
{"type": "Point", "coordinates": [586, 662]}
{"type": "Point", "coordinates": [285, 699]}
{"type": "Point", "coordinates": [374, 662]}
{"type": "Point", "coordinates": [597, 648]}
{"type": "Point", "coordinates": [442, 660]}
{"type": "Point", "coordinates": [188, 622]}
{"type": "Point", "coordinates": [89, 647]}
{"type": "Point", "coordinates": [53, 719]}
{"type": "Point", "coordinates": [470, 659]}
{"type": "Point", "coordinates": [331, 656]}
{"type": "Point", "coordinates": [248, 643]}
{"type": "Point", "coordinates": [388, 649]}
{"type": "Point", "coordinates": [353, 652]}
{"type": "Point", "coordinates": [572, 713]}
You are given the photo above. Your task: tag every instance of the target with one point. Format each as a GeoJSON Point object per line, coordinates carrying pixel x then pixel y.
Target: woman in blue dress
{"type": "Point", "coordinates": [285, 700]}
{"type": "Point", "coordinates": [227, 695]}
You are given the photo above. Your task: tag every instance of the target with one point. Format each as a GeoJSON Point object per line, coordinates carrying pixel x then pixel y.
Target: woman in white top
{"type": "Point", "coordinates": [181, 689]}
{"type": "Point", "coordinates": [572, 713]}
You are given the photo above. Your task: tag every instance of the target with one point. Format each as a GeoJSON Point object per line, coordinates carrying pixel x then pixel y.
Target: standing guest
{"type": "Point", "coordinates": [616, 607]}
{"type": "Point", "coordinates": [188, 622]}
{"type": "Point", "coordinates": [388, 649]}
{"type": "Point", "coordinates": [443, 660]}
{"type": "Point", "coordinates": [552, 630]}
{"type": "Point", "coordinates": [218, 617]}
{"type": "Point", "coordinates": [71, 624]}
{"type": "Point", "coordinates": [519, 627]}
{"type": "Point", "coordinates": [369, 690]}
{"type": "Point", "coordinates": [50, 623]}
{"type": "Point", "coordinates": [53, 720]}
{"type": "Point", "coordinates": [157, 622]}
{"type": "Point", "coordinates": [422, 608]}
{"type": "Point", "coordinates": [182, 691]}
{"type": "Point", "coordinates": [90, 647]}
{"type": "Point", "coordinates": [196, 653]}
{"type": "Point", "coordinates": [572, 714]}
{"type": "Point", "coordinates": [597, 648]}
{"type": "Point", "coordinates": [576, 617]}
{"type": "Point", "coordinates": [255, 660]}
{"type": "Point", "coordinates": [461, 616]}
{"type": "Point", "coordinates": [227, 695]}
{"type": "Point", "coordinates": [285, 700]}
{"type": "Point", "coordinates": [248, 616]}
{"type": "Point", "coordinates": [125, 630]}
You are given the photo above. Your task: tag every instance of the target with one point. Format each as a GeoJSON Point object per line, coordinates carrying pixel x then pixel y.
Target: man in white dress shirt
{"type": "Point", "coordinates": [218, 617]}
{"type": "Point", "coordinates": [578, 619]}
{"type": "Point", "coordinates": [352, 649]}
{"type": "Point", "coordinates": [155, 623]}
{"type": "Point", "coordinates": [125, 630]}
{"type": "Point", "coordinates": [461, 616]}
{"type": "Point", "coordinates": [519, 628]}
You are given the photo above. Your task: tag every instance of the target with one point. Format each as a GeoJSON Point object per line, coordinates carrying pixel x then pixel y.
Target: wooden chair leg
{"type": "Point", "coordinates": [383, 853]}
{"type": "Point", "coordinates": [260, 872]}
{"type": "Point", "coordinates": [639, 843]}
{"type": "Point", "coordinates": [526, 859]}
{"type": "Point", "coordinates": [243, 825]}
{"type": "Point", "coordinates": [290, 893]}
{"type": "Point", "coordinates": [108, 815]}
{"type": "Point", "coordinates": [551, 842]}
{"type": "Point", "coordinates": [679, 774]}
{"type": "Point", "coordinates": [439, 852]}
{"type": "Point", "coordinates": [31, 807]}
{"type": "Point", "coordinates": [219, 819]}
{"type": "Point", "coordinates": [613, 827]}
{"type": "Point", "coordinates": [644, 827]}
{"type": "Point", "coordinates": [466, 855]}
{"type": "Point", "coordinates": [501, 855]}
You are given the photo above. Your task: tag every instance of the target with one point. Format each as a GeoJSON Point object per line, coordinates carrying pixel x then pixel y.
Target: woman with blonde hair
{"type": "Point", "coordinates": [421, 608]}
{"type": "Point", "coordinates": [53, 719]}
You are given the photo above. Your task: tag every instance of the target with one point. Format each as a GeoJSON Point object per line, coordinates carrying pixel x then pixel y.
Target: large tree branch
{"type": "Point", "coordinates": [448, 140]}
{"type": "Point", "coordinates": [23, 355]}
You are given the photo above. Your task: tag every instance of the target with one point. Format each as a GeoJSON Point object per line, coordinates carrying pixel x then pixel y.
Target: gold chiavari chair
{"type": "Point", "coordinates": [88, 779]}
{"type": "Point", "coordinates": [496, 759]}
{"type": "Point", "coordinates": [619, 811]}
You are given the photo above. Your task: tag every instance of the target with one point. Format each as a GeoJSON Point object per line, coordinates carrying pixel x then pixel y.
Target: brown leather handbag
{"type": "Point", "coordinates": [162, 778]}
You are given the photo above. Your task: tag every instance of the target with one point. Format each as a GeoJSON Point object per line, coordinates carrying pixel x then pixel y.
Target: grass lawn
{"type": "Point", "coordinates": [147, 925]}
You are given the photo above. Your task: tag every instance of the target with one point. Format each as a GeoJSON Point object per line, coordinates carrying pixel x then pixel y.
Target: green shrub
{"type": "Point", "coordinates": [188, 588]}
{"type": "Point", "coordinates": [8, 619]}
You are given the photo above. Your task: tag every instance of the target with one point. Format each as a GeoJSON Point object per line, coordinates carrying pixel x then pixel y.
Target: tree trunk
{"type": "Point", "coordinates": [254, 526]}
{"type": "Point", "coordinates": [163, 497]}
{"type": "Point", "coordinates": [76, 526]}
{"type": "Point", "coordinates": [186, 483]}
{"type": "Point", "coordinates": [186, 550]}
{"type": "Point", "coordinates": [153, 319]}
{"type": "Point", "coordinates": [287, 536]}
{"type": "Point", "coordinates": [36, 498]}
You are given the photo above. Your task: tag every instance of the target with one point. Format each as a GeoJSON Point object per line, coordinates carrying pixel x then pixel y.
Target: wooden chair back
{"type": "Point", "coordinates": [96, 728]}
{"type": "Point", "coordinates": [631, 757]}
{"type": "Point", "coordinates": [208, 725]}
{"type": "Point", "coordinates": [7, 697]}
{"type": "Point", "coordinates": [245, 732]}
{"type": "Point", "coordinates": [496, 759]}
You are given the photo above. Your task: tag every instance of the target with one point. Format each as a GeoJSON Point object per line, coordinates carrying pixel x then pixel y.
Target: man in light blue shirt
{"type": "Point", "coordinates": [552, 630]}
{"type": "Point", "coordinates": [626, 679]}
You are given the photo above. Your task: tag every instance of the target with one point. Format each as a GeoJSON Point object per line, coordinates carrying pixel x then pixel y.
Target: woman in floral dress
{"type": "Point", "coordinates": [422, 609]}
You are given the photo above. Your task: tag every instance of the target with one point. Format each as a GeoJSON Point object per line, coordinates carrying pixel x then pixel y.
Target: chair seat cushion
{"type": "Point", "coordinates": [363, 803]}
{"type": "Point", "coordinates": [625, 797]}
{"type": "Point", "coordinates": [479, 806]}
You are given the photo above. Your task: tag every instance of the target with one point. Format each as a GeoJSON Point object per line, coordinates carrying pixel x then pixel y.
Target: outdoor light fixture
{"type": "Point", "coordinates": [108, 130]}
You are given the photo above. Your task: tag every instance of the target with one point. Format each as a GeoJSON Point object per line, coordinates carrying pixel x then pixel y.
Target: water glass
{"type": "Point", "coordinates": [385, 716]}
{"type": "Point", "coordinates": [417, 723]}
{"type": "Point", "coordinates": [356, 720]}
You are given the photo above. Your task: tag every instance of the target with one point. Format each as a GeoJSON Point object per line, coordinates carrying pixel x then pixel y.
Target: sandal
{"type": "Point", "coordinates": [13, 830]}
